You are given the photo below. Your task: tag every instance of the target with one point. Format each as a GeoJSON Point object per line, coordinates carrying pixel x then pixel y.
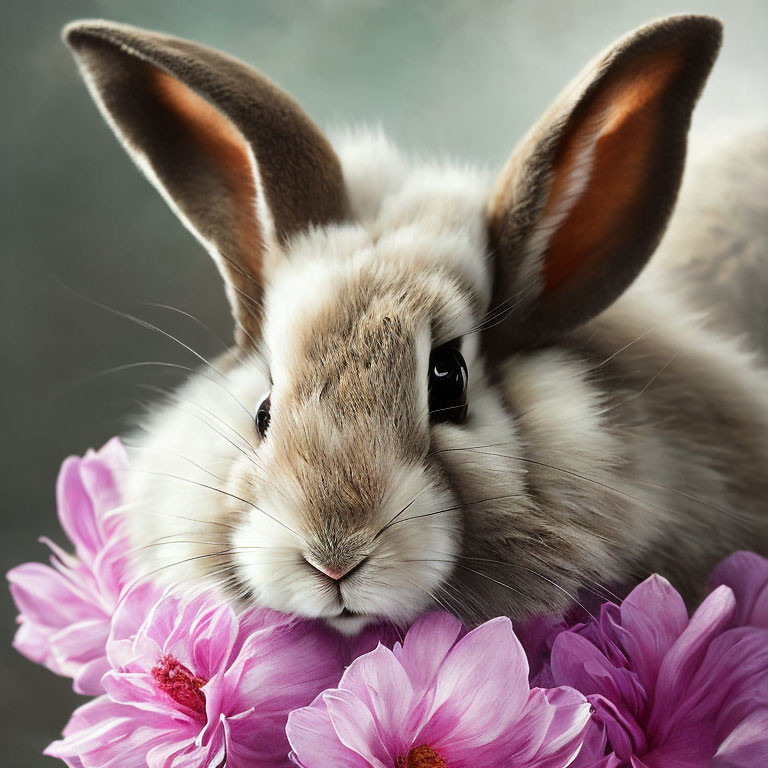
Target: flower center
{"type": "Point", "coordinates": [173, 678]}
{"type": "Point", "coordinates": [420, 757]}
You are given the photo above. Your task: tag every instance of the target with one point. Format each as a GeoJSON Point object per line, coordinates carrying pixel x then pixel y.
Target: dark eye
{"type": "Point", "coordinates": [447, 384]}
{"type": "Point", "coordinates": [262, 417]}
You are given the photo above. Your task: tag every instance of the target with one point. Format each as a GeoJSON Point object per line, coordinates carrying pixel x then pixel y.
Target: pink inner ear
{"type": "Point", "coordinates": [218, 138]}
{"type": "Point", "coordinates": [601, 171]}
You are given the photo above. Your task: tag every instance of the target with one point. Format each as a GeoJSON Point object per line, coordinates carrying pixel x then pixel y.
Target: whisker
{"type": "Point", "coordinates": [617, 491]}
{"type": "Point", "coordinates": [535, 573]}
{"type": "Point", "coordinates": [431, 596]}
{"type": "Point", "coordinates": [498, 313]}
{"type": "Point", "coordinates": [163, 364]}
{"type": "Point", "coordinates": [478, 573]}
{"type": "Point", "coordinates": [621, 349]}
{"type": "Point", "coordinates": [148, 408]}
{"type": "Point", "coordinates": [141, 323]}
{"type": "Point", "coordinates": [190, 316]}
{"type": "Point", "coordinates": [193, 558]}
{"type": "Point", "coordinates": [216, 490]}
{"type": "Point", "coordinates": [242, 357]}
{"type": "Point", "coordinates": [556, 468]}
{"type": "Point", "coordinates": [138, 447]}
{"type": "Point", "coordinates": [173, 396]}
{"type": "Point", "coordinates": [392, 520]}
{"type": "Point", "coordinates": [457, 506]}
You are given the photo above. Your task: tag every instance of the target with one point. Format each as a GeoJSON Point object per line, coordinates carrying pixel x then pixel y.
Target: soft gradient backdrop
{"type": "Point", "coordinates": [446, 77]}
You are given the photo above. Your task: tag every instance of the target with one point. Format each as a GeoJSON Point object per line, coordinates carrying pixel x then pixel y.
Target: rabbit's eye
{"type": "Point", "coordinates": [262, 416]}
{"type": "Point", "coordinates": [447, 384]}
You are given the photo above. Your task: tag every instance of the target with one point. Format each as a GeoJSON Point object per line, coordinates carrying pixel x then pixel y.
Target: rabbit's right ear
{"type": "Point", "coordinates": [235, 157]}
{"type": "Point", "coordinates": [586, 196]}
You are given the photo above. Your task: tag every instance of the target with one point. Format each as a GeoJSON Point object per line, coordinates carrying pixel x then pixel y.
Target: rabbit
{"type": "Point", "coordinates": [446, 390]}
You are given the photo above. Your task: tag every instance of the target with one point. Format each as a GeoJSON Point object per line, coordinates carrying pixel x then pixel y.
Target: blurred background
{"type": "Point", "coordinates": [447, 77]}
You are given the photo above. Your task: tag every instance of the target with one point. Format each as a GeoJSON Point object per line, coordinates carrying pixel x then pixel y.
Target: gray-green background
{"type": "Point", "coordinates": [461, 78]}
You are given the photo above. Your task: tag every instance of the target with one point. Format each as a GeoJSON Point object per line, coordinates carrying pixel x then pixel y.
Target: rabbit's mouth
{"type": "Point", "coordinates": [349, 622]}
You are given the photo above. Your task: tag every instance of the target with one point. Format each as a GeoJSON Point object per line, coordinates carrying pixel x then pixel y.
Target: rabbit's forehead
{"type": "Point", "coordinates": [360, 347]}
{"type": "Point", "coordinates": [375, 306]}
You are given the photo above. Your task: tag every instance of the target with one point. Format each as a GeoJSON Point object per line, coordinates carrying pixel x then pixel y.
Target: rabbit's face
{"type": "Point", "coordinates": [351, 516]}
{"type": "Point", "coordinates": [372, 487]}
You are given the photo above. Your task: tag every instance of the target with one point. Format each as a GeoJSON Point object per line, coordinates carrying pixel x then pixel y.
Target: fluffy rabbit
{"type": "Point", "coordinates": [445, 390]}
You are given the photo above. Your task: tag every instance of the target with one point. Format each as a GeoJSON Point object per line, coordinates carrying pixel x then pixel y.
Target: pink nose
{"type": "Point", "coordinates": [333, 573]}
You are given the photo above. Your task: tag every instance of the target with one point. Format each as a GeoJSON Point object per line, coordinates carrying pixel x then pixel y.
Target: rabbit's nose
{"type": "Point", "coordinates": [335, 572]}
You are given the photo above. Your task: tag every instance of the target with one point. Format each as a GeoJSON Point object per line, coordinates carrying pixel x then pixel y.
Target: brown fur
{"type": "Point", "coordinates": [609, 433]}
{"type": "Point", "coordinates": [640, 94]}
{"type": "Point", "coordinates": [174, 102]}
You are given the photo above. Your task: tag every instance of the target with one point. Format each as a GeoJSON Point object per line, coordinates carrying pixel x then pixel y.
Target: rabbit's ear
{"type": "Point", "coordinates": [235, 157]}
{"type": "Point", "coordinates": [585, 198]}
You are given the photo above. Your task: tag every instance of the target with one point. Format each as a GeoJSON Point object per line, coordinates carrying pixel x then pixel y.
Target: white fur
{"type": "Point", "coordinates": [429, 219]}
{"type": "Point", "coordinates": [429, 223]}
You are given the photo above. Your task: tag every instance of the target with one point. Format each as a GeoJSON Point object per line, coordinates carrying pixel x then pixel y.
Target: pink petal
{"type": "Point", "coordinates": [80, 642]}
{"type": "Point", "coordinates": [281, 668]}
{"type": "Point", "coordinates": [87, 680]}
{"type": "Point", "coordinates": [653, 616]}
{"type": "Point", "coordinates": [746, 573]}
{"type": "Point", "coordinates": [356, 728]}
{"type": "Point", "coordinates": [47, 597]}
{"type": "Point", "coordinates": [611, 761]}
{"type": "Point", "coordinates": [730, 684]}
{"type": "Point", "coordinates": [76, 510]}
{"type": "Point", "coordinates": [481, 688]}
{"type": "Point", "coordinates": [548, 734]}
{"type": "Point", "coordinates": [136, 608]}
{"type": "Point", "coordinates": [747, 745]}
{"type": "Point", "coordinates": [138, 691]}
{"type": "Point", "coordinates": [569, 714]}
{"type": "Point", "coordinates": [684, 658]}
{"type": "Point", "coordinates": [31, 640]}
{"type": "Point", "coordinates": [593, 748]}
{"type": "Point", "coordinates": [103, 475]}
{"type": "Point", "coordinates": [266, 748]}
{"type": "Point", "coordinates": [214, 634]}
{"type": "Point", "coordinates": [314, 740]}
{"type": "Point", "coordinates": [578, 663]}
{"type": "Point", "coordinates": [170, 753]}
{"type": "Point", "coordinates": [381, 686]}
{"type": "Point", "coordinates": [425, 647]}
{"type": "Point", "coordinates": [94, 727]}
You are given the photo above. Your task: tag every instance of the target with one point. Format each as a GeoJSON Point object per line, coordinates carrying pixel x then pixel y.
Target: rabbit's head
{"type": "Point", "coordinates": [373, 461]}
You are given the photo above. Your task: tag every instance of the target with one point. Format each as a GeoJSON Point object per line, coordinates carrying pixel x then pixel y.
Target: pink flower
{"type": "Point", "coordinates": [747, 575]}
{"type": "Point", "coordinates": [195, 685]}
{"type": "Point", "coordinates": [668, 692]}
{"type": "Point", "coordinates": [65, 608]}
{"type": "Point", "coordinates": [435, 702]}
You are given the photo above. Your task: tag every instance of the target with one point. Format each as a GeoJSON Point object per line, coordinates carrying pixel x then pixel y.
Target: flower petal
{"type": "Point", "coordinates": [357, 729]}
{"type": "Point", "coordinates": [683, 659]}
{"type": "Point", "coordinates": [747, 745]}
{"type": "Point", "coordinates": [481, 688]}
{"type": "Point", "coordinates": [746, 573]}
{"type": "Point", "coordinates": [380, 684]}
{"type": "Point", "coordinates": [426, 645]}
{"type": "Point", "coordinates": [653, 616]}
{"type": "Point", "coordinates": [314, 740]}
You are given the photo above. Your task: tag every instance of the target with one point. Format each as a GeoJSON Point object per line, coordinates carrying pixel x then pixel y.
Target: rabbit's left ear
{"type": "Point", "coordinates": [585, 198]}
{"type": "Point", "coordinates": [235, 157]}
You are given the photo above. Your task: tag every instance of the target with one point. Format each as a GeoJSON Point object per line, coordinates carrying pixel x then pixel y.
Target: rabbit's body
{"type": "Point", "coordinates": [717, 240]}
{"type": "Point", "coordinates": [461, 397]}
{"type": "Point", "coordinates": [644, 423]}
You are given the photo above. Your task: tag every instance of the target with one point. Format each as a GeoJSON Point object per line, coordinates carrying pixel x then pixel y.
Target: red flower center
{"type": "Point", "coordinates": [173, 678]}
{"type": "Point", "coordinates": [420, 757]}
